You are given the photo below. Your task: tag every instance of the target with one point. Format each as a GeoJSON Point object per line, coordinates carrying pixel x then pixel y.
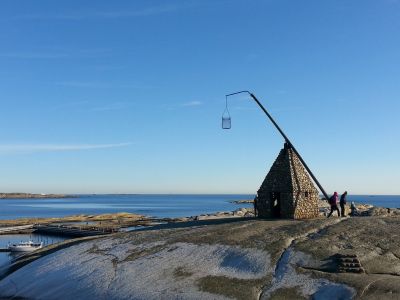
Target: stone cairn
{"type": "Point", "coordinates": [289, 184]}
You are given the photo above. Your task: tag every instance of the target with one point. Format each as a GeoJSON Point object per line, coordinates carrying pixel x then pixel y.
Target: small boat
{"type": "Point", "coordinates": [25, 246]}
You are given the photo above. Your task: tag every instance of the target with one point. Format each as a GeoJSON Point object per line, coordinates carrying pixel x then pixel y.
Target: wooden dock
{"type": "Point", "coordinates": [72, 231]}
{"type": "Point", "coordinates": [4, 250]}
{"type": "Point", "coordinates": [75, 231]}
{"type": "Point", "coordinates": [5, 230]}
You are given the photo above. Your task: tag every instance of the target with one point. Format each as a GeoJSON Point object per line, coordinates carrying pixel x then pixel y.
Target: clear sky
{"type": "Point", "coordinates": [127, 96]}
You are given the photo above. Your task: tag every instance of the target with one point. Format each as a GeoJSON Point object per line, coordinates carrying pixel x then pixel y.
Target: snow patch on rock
{"type": "Point", "coordinates": [320, 289]}
{"type": "Point", "coordinates": [105, 269]}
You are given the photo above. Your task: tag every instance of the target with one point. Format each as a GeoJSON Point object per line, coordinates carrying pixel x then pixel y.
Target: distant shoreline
{"type": "Point", "coordinates": [33, 196]}
{"type": "Point", "coordinates": [248, 201]}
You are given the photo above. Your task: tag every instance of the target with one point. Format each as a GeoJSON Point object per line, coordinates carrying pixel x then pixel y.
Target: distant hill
{"type": "Point", "coordinates": [30, 196]}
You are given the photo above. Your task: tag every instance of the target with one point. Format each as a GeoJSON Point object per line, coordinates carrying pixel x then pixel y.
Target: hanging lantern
{"type": "Point", "coordinates": [226, 117]}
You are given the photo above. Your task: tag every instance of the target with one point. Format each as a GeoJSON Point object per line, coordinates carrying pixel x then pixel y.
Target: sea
{"type": "Point", "coordinates": [159, 206]}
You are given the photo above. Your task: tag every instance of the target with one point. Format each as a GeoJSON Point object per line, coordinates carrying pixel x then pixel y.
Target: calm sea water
{"type": "Point", "coordinates": [392, 201]}
{"type": "Point", "coordinates": [151, 205]}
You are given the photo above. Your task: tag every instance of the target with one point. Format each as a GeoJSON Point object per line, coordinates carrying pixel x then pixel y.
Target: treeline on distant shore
{"type": "Point", "coordinates": [29, 196]}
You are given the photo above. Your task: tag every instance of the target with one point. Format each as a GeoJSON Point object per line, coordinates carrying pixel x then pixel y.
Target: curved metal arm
{"type": "Point", "coordinates": [286, 140]}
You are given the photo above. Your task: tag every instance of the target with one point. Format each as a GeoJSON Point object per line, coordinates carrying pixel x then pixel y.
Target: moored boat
{"type": "Point", "coordinates": [25, 246]}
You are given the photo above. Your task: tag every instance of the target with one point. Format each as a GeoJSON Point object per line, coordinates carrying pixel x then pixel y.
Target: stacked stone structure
{"type": "Point", "coordinates": [287, 191]}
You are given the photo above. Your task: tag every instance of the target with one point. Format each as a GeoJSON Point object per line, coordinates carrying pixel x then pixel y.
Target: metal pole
{"type": "Point", "coordinates": [286, 140]}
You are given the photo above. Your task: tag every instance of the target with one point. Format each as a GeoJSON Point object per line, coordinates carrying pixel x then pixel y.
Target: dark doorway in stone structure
{"type": "Point", "coordinates": [275, 204]}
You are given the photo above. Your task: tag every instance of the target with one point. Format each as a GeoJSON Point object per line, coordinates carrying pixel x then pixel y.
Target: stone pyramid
{"type": "Point", "coordinates": [287, 191]}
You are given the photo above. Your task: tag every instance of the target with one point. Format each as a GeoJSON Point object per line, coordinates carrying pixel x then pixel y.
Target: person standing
{"type": "Point", "coordinates": [343, 203]}
{"type": "Point", "coordinates": [333, 202]}
{"type": "Point", "coordinates": [255, 207]}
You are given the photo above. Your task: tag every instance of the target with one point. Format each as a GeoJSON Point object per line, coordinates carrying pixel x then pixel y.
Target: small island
{"type": "Point", "coordinates": [33, 196]}
{"type": "Point", "coordinates": [246, 201]}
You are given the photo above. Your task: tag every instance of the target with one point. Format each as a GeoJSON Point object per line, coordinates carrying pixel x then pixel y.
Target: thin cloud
{"type": "Point", "coordinates": [176, 106]}
{"type": "Point", "coordinates": [103, 85]}
{"type": "Point", "coordinates": [93, 106]}
{"type": "Point", "coordinates": [88, 15]}
{"type": "Point", "coordinates": [57, 54]}
{"type": "Point", "coordinates": [32, 55]}
{"type": "Point", "coordinates": [71, 104]}
{"type": "Point", "coordinates": [111, 107]}
{"type": "Point", "coordinates": [29, 148]}
{"type": "Point", "coordinates": [192, 103]}
{"type": "Point", "coordinates": [83, 84]}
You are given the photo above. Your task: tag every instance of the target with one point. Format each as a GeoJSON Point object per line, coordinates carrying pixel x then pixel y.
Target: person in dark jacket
{"type": "Point", "coordinates": [343, 203]}
{"type": "Point", "coordinates": [333, 202]}
{"type": "Point", "coordinates": [255, 206]}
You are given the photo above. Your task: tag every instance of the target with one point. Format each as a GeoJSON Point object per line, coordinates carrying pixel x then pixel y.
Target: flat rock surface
{"type": "Point", "coordinates": [106, 219]}
{"type": "Point", "coordinates": [222, 259]}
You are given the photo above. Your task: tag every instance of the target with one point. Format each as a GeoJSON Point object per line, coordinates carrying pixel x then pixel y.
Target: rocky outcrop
{"type": "Point", "coordinates": [238, 213]}
{"type": "Point", "coordinates": [114, 220]}
{"type": "Point", "coordinates": [243, 201]}
{"type": "Point", "coordinates": [241, 259]}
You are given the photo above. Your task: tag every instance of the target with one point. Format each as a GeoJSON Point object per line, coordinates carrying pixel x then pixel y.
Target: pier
{"type": "Point", "coordinates": [59, 229]}
{"type": "Point", "coordinates": [73, 231]}
{"type": "Point", "coordinates": [5, 230]}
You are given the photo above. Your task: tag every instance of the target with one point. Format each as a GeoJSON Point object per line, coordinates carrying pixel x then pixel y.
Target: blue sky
{"type": "Point", "coordinates": [127, 96]}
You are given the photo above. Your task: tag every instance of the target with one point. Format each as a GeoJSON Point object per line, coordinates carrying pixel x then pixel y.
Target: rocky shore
{"type": "Point", "coordinates": [115, 220]}
{"type": "Point", "coordinates": [243, 201]}
{"type": "Point", "coordinates": [324, 209]}
{"type": "Point", "coordinates": [124, 219]}
{"type": "Point", "coordinates": [227, 255]}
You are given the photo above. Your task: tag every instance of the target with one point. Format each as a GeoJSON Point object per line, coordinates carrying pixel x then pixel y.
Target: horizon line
{"type": "Point", "coordinates": [187, 194]}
